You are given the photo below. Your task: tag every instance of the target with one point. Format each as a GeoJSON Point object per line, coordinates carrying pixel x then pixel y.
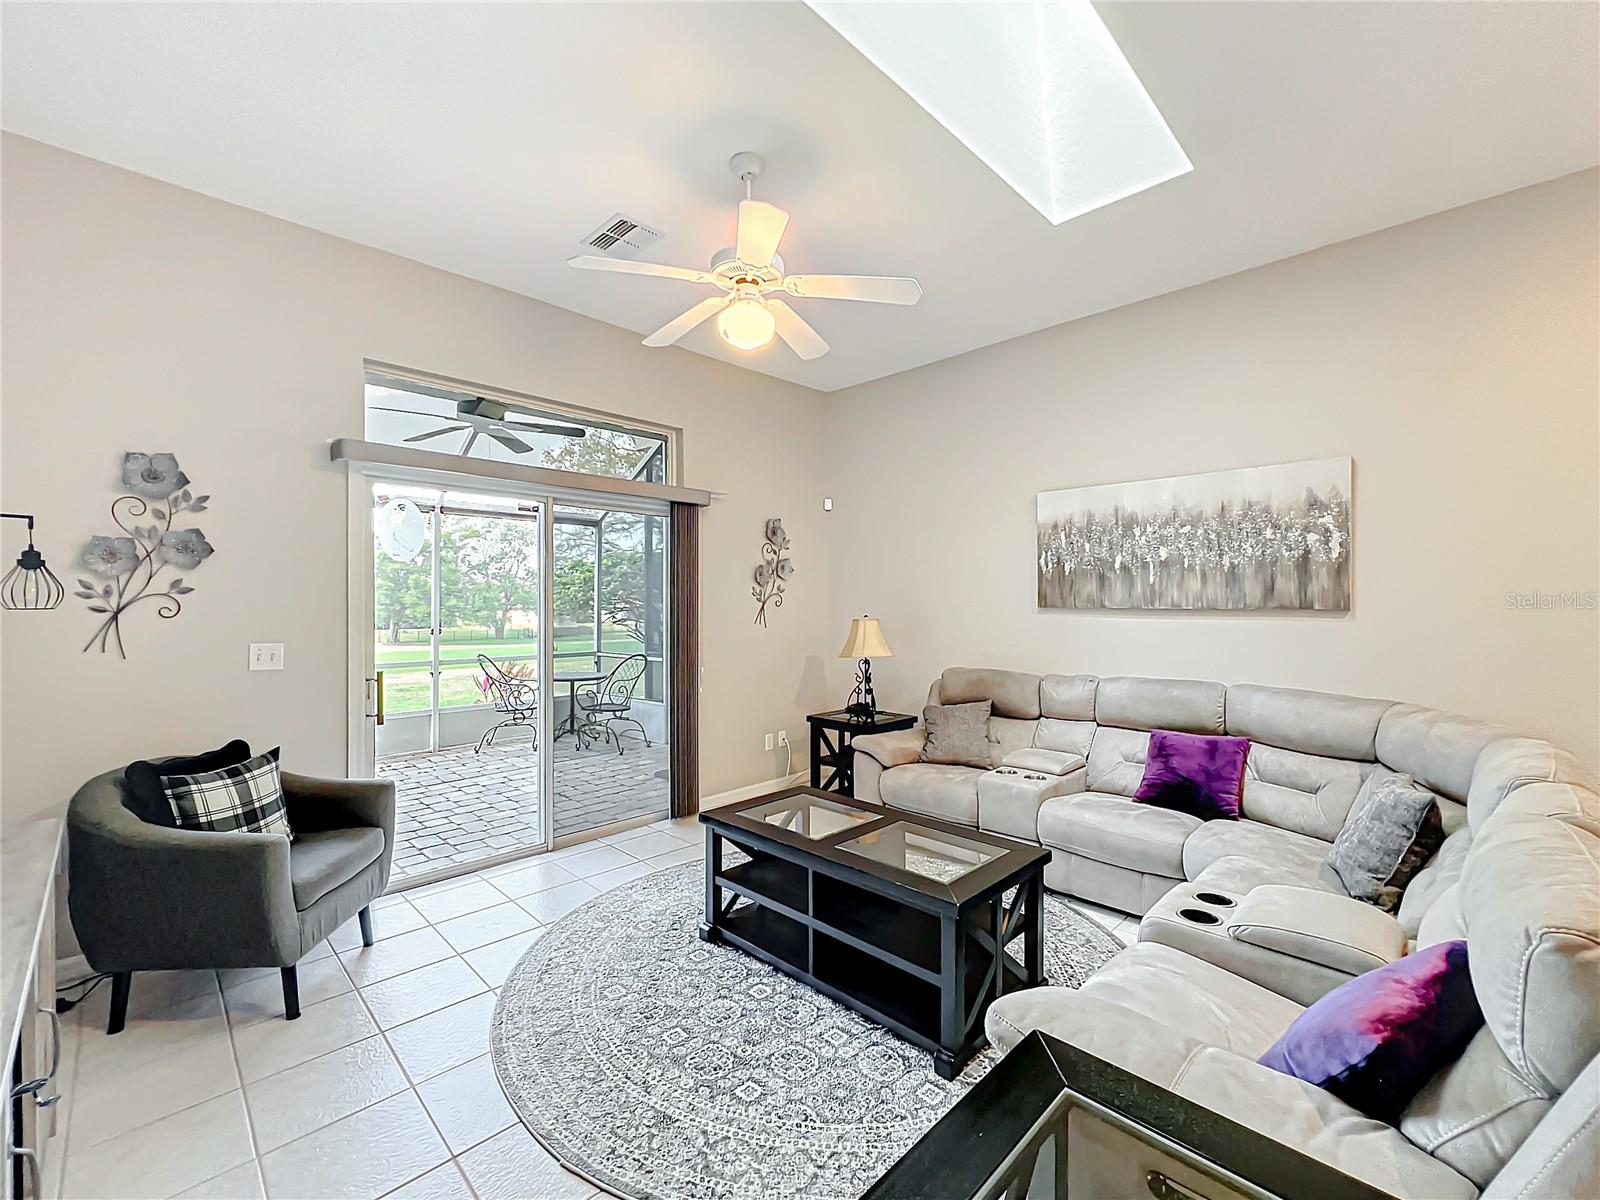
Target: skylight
{"type": "Point", "coordinates": [1039, 91]}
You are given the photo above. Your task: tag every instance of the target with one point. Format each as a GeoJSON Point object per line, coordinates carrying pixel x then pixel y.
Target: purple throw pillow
{"type": "Point", "coordinates": [1195, 774]}
{"type": "Point", "coordinates": [1375, 1041]}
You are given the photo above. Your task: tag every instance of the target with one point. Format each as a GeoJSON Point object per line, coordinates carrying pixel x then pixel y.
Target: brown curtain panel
{"type": "Point", "coordinates": [684, 718]}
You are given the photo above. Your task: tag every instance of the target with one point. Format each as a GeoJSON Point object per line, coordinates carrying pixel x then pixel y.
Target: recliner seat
{"type": "Point", "coordinates": [1516, 1115]}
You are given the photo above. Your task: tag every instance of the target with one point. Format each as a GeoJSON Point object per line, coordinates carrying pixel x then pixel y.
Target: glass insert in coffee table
{"type": "Point", "coordinates": [930, 853]}
{"type": "Point", "coordinates": [809, 815]}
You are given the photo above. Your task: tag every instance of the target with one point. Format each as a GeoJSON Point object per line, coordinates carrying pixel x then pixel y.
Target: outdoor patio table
{"type": "Point", "coordinates": [572, 679]}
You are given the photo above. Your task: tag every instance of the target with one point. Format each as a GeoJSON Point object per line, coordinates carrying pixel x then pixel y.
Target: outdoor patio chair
{"type": "Point", "coordinates": [610, 703]}
{"type": "Point", "coordinates": [517, 700]}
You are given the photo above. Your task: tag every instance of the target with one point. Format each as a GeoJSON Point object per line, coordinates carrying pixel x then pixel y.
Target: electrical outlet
{"type": "Point", "coordinates": [827, 504]}
{"type": "Point", "coordinates": [768, 741]}
{"type": "Point", "coordinates": [266, 656]}
{"type": "Point", "coordinates": [783, 737]}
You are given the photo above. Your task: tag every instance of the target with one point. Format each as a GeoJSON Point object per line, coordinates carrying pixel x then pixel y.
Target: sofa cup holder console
{"type": "Point", "coordinates": [1199, 907]}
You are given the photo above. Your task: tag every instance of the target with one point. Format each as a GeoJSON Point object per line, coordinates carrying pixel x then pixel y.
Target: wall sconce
{"type": "Point", "coordinates": [30, 584]}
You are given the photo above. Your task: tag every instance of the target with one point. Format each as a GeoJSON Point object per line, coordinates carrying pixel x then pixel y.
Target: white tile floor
{"type": "Point", "coordinates": [383, 1087]}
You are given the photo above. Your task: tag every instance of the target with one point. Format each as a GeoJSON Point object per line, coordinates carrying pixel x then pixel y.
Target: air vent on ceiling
{"type": "Point", "coordinates": [622, 237]}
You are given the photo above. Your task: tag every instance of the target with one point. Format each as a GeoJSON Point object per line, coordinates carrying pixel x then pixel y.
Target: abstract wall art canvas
{"type": "Point", "coordinates": [1260, 537]}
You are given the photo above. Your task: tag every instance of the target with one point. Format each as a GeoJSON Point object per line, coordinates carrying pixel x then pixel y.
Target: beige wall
{"type": "Point", "coordinates": [1453, 358]}
{"type": "Point", "coordinates": [141, 316]}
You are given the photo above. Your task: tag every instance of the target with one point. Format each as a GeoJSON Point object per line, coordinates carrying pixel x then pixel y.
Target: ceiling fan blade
{"type": "Point", "coordinates": [875, 289]}
{"type": "Point", "coordinates": [567, 431]}
{"type": "Point", "coordinates": [509, 440]}
{"type": "Point", "coordinates": [509, 412]}
{"type": "Point", "coordinates": [593, 262]}
{"type": "Point", "coordinates": [410, 412]}
{"type": "Point", "coordinates": [676, 328]}
{"type": "Point", "coordinates": [761, 227]}
{"type": "Point", "coordinates": [792, 328]}
{"type": "Point", "coordinates": [423, 437]}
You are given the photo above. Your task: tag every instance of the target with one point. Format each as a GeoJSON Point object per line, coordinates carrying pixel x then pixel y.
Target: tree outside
{"type": "Point", "coordinates": [400, 597]}
{"type": "Point", "coordinates": [622, 590]}
{"type": "Point", "coordinates": [601, 452]}
{"type": "Point", "coordinates": [498, 563]}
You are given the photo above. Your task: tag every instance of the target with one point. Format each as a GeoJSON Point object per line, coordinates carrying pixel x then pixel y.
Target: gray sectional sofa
{"type": "Point", "coordinates": [1309, 754]}
{"type": "Point", "coordinates": [1241, 928]}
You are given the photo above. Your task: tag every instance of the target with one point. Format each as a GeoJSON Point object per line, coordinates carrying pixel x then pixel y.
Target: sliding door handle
{"type": "Point", "coordinates": [30, 1188]}
{"type": "Point", "coordinates": [376, 692]}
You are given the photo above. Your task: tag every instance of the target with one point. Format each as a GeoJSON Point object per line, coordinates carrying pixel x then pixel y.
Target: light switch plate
{"type": "Point", "coordinates": [266, 656]}
{"type": "Point", "coordinates": [827, 504]}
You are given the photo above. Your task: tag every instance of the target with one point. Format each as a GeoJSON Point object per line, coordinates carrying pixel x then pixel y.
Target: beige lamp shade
{"type": "Point", "coordinates": [865, 640]}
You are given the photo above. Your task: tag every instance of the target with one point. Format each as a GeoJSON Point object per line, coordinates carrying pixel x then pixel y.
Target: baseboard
{"type": "Point", "coordinates": [751, 790]}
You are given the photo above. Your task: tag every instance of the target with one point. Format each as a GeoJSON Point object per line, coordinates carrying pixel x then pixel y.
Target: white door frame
{"type": "Point", "coordinates": [361, 696]}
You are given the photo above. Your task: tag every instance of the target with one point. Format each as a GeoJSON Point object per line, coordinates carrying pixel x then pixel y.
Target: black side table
{"type": "Point", "coordinates": [831, 735]}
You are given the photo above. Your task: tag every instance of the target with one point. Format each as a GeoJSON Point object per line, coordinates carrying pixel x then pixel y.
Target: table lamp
{"type": "Point", "coordinates": [866, 643]}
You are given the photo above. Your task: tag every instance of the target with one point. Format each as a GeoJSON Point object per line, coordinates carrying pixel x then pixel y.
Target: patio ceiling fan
{"type": "Point", "coordinates": [480, 417]}
{"type": "Point", "coordinates": [748, 312]}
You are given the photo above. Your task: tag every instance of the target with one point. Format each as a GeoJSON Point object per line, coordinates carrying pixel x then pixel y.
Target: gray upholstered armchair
{"type": "Point", "coordinates": [147, 898]}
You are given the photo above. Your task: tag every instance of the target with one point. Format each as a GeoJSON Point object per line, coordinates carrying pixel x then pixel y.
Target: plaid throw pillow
{"type": "Point", "coordinates": [247, 798]}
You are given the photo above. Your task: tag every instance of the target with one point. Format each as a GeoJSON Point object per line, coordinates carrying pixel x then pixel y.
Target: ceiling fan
{"type": "Point", "coordinates": [749, 273]}
{"type": "Point", "coordinates": [479, 417]}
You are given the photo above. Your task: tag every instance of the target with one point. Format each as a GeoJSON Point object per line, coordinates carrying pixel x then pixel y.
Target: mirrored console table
{"type": "Point", "coordinates": [1052, 1122]}
{"type": "Point", "coordinates": [30, 856]}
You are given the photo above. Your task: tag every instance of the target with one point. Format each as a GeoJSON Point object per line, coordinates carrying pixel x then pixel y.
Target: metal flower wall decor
{"type": "Point", "coordinates": [127, 565]}
{"type": "Point", "coordinates": [774, 571]}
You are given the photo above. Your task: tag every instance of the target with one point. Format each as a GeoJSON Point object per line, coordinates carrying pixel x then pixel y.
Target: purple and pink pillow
{"type": "Point", "coordinates": [1195, 774]}
{"type": "Point", "coordinates": [1375, 1041]}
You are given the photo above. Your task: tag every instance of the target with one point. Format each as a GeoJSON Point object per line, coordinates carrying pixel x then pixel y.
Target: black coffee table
{"type": "Point", "coordinates": [899, 916]}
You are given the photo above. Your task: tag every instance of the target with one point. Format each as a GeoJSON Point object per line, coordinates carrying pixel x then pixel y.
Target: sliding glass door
{"type": "Point", "coordinates": [609, 581]}
{"type": "Point", "coordinates": [457, 597]}
{"type": "Point", "coordinates": [518, 652]}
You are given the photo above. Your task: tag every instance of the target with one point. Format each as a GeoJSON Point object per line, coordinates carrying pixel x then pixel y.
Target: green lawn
{"type": "Point", "coordinates": [406, 689]}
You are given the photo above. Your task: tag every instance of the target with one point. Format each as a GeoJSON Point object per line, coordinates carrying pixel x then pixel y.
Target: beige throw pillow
{"type": "Point", "coordinates": [958, 734]}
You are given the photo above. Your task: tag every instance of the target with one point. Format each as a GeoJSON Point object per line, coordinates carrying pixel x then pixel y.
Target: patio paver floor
{"type": "Point", "coordinates": [455, 807]}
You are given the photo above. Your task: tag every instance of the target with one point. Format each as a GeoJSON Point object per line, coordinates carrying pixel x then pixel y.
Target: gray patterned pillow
{"type": "Point", "coordinates": [958, 734]}
{"type": "Point", "coordinates": [1394, 828]}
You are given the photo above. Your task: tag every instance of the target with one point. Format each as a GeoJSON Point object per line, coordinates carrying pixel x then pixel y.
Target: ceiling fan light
{"type": "Point", "coordinates": [746, 324]}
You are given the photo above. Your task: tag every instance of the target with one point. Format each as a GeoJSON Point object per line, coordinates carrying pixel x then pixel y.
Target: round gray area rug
{"type": "Point", "coordinates": [657, 1065]}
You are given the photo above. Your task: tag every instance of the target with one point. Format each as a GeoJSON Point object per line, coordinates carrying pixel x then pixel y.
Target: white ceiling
{"type": "Point", "coordinates": [487, 139]}
{"type": "Point", "coordinates": [1038, 90]}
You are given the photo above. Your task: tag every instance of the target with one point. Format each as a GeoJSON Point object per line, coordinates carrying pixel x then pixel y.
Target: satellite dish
{"type": "Point", "coordinates": [401, 529]}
